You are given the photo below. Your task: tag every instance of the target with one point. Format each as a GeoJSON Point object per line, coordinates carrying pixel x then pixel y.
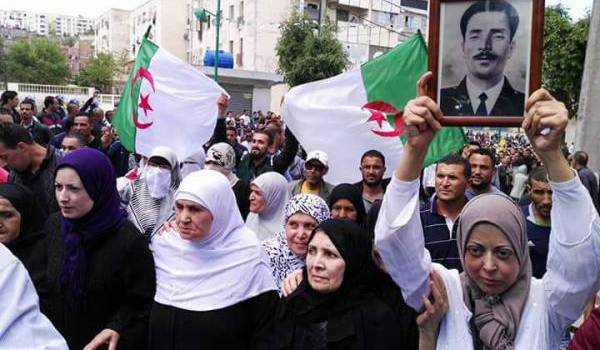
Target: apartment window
{"type": "Point", "coordinates": [409, 22]}
{"type": "Point", "coordinates": [231, 46]}
{"type": "Point", "coordinates": [241, 9]}
{"type": "Point", "coordinates": [342, 15]}
{"type": "Point", "coordinates": [208, 22]}
{"type": "Point", "coordinates": [231, 12]}
{"type": "Point", "coordinates": [312, 11]}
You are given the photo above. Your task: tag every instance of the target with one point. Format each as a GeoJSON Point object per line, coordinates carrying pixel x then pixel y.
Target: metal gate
{"type": "Point", "coordinates": [241, 97]}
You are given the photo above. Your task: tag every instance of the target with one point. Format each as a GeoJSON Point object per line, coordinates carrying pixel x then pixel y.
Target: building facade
{"type": "Point", "coordinates": [111, 32]}
{"type": "Point", "coordinates": [45, 23]}
{"type": "Point", "coordinates": [168, 22]}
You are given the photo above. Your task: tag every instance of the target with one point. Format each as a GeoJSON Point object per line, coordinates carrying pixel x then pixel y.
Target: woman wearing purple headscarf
{"type": "Point", "coordinates": [100, 271]}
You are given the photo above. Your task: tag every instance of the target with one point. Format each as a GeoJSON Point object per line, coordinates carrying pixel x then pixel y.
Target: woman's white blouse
{"type": "Point", "coordinates": [554, 302]}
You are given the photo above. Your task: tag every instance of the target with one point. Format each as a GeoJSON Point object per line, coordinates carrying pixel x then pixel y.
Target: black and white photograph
{"type": "Point", "coordinates": [484, 57]}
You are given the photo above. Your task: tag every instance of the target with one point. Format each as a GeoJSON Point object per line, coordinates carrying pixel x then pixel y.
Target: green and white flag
{"type": "Point", "coordinates": [166, 102]}
{"type": "Point", "coordinates": [356, 111]}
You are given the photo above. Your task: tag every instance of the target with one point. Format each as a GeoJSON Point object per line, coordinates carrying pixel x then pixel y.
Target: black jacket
{"type": "Point", "coordinates": [370, 324]}
{"type": "Point", "coordinates": [454, 101]}
{"type": "Point", "coordinates": [119, 288]}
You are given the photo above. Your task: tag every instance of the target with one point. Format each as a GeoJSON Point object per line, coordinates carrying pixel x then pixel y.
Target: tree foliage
{"type": "Point", "coordinates": [564, 55]}
{"type": "Point", "coordinates": [38, 61]}
{"type": "Point", "coordinates": [101, 70]}
{"type": "Point", "coordinates": [308, 52]}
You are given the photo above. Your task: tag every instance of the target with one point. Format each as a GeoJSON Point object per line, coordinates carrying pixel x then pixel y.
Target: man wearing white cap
{"type": "Point", "coordinates": [312, 182]}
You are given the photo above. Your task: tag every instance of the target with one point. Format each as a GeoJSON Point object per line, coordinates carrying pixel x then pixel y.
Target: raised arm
{"type": "Point", "coordinates": [572, 271]}
{"type": "Point", "coordinates": [398, 232]}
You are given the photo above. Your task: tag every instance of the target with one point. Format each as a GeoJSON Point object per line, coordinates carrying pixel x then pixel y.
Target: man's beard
{"type": "Point", "coordinates": [256, 154]}
{"type": "Point", "coordinates": [371, 184]}
{"type": "Point", "coordinates": [481, 186]}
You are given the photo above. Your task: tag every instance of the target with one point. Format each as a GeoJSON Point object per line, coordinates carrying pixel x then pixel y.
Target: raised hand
{"type": "Point", "coordinates": [421, 116]}
{"type": "Point", "coordinates": [222, 103]}
{"type": "Point", "coordinates": [545, 125]}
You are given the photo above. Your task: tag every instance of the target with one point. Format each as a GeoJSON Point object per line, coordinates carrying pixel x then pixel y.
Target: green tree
{"type": "Point", "coordinates": [564, 55]}
{"type": "Point", "coordinates": [38, 61]}
{"type": "Point", "coordinates": [101, 70]}
{"type": "Point", "coordinates": [2, 61]}
{"type": "Point", "coordinates": [308, 52]}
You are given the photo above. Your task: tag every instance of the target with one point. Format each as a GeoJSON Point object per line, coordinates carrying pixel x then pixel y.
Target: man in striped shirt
{"type": "Point", "coordinates": [439, 214]}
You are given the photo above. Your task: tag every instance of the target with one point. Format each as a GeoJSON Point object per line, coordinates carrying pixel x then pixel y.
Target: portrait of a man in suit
{"type": "Point", "coordinates": [488, 30]}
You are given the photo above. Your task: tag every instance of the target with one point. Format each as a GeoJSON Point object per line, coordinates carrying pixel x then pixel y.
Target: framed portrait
{"type": "Point", "coordinates": [486, 59]}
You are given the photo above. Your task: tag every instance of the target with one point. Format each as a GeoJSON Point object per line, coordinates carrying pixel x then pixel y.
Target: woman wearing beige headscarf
{"type": "Point", "coordinates": [495, 304]}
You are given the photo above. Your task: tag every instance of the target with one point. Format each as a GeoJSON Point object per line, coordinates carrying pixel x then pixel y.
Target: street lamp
{"type": "Point", "coordinates": [202, 15]}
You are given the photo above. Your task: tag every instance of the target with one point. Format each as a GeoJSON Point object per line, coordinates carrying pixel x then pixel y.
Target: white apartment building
{"type": "Point", "coordinates": [72, 25]}
{"type": "Point", "coordinates": [111, 32]}
{"type": "Point", "coordinates": [249, 31]}
{"type": "Point", "coordinates": [370, 27]}
{"type": "Point", "coordinates": [250, 28]}
{"type": "Point", "coordinates": [33, 22]}
{"type": "Point", "coordinates": [43, 23]}
{"type": "Point", "coordinates": [169, 25]}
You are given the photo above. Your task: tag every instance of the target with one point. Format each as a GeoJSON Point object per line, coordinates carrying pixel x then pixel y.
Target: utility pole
{"type": "Point", "coordinates": [588, 123]}
{"type": "Point", "coordinates": [202, 16]}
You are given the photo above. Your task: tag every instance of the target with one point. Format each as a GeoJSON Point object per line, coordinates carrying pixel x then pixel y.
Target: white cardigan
{"type": "Point", "coordinates": [554, 302]}
{"type": "Point", "coordinates": [22, 325]}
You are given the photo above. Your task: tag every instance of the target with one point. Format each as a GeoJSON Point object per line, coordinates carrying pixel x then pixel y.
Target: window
{"type": "Point", "coordinates": [231, 12]}
{"type": "Point", "coordinates": [242, 46]}
{"type": "Point", "coordinates": [312, 11]}
{"type": "Point", "coordinates": [342, 15]}
{"type": "Point", "coordinates": [231, 46]}
{"type": "Point", "coordinates": [241, 9]}
{"type": "Point", "coordinates": [409, 22]}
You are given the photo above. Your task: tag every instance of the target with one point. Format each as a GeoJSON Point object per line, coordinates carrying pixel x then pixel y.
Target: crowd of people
{"type": "Point", "coordinates": [246, 245]}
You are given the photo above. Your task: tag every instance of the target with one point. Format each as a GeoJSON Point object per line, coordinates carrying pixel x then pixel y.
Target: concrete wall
{"type": "Point", "coordinates": [588, 127]}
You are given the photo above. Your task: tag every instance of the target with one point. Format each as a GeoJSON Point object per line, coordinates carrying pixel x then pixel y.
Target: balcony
{"type": "Point", "coordinates": [364, 34]}
{"type": "Point", "coordinates": [359, 4]}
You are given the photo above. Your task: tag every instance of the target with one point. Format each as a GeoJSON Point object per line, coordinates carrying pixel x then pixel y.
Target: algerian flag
{"type": "Point", "coordinates": [166, 102]}
{"type": "Point", "coordinates": [356, 111]}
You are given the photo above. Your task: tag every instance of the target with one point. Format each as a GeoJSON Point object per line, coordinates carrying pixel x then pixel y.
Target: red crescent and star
{"type": "Point", "coordinates": [143, 73]}
{"type": "Point", "coordinates": [379, 110]}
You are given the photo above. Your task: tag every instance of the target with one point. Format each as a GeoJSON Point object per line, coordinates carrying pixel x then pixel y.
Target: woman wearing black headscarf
{"type": "Point", "coordinates": [333, 308]}
{"type": "Point", "coordinates": [100, 271]}
{"type": "Point", "coordinates": [345, 202]}
{"type": "Point", "coordinates": [21, 229]}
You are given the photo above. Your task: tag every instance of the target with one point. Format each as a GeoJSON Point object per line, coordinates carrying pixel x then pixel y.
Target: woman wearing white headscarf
{"type": "Point", "coordinates": [214, 286]}
{"type": "Point", "coordinates": [268, 195]}
{"type": "Point", "coordinates": [149, 199]}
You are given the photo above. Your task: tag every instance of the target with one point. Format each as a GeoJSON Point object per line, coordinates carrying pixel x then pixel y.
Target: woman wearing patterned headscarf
{"type": "Point", "coordinates": [100, 271]}
{"type": "Point", "coordinates": [149, 198]}
{"type": "Point", "coordinates": [287, 250]}
{"type": "Point", "coordinates": [269, 193]}
{"type": "Point", "coordinates": [221, 157]}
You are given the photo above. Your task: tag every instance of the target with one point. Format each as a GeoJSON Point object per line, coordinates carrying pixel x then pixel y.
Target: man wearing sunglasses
{"type": "Point", "coordinates": [312, 182]}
